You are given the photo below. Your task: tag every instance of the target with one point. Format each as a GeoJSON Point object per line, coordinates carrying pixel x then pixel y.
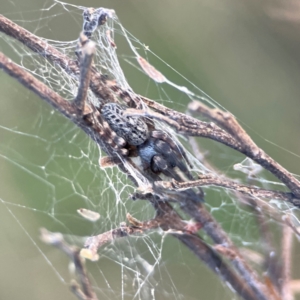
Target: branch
{"type": "Point", "coordinates": [93, 243]}
{"type": "Point", "coordinates": [214, 231]}
{"type": "Point", "coordinates": [250, 190]}
{"type": "Point", "coordinates": [167, 219]}
{"type": "Point", "coordinates": [56, 239]}
{"type": "Point", "coordinates": [250, 149]}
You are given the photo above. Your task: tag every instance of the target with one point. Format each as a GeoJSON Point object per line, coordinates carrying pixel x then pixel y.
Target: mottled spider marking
{"type": "Point", "coordinates": [132, 129]}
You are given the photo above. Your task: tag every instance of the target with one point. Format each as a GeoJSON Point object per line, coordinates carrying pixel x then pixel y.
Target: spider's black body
{"type": "Point", "coordinates": [156, 150]}
{"type": "Point", "coordinates": [158, 155]}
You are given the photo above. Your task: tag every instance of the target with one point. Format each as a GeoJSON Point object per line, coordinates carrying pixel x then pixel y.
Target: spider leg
{"type": "Point", "coordinates": [172, 158]}
{"type": "Point", "coordinates": [160, 165]}
{"type": "Point", "coordinates": [112, 137]}
{"type": "Point", "coordinates": [161, 135]}
{"type": "Point", "coordinates": [166, 159]}
{"type": "Point", "coordinates": [150, 153]}
{"type": "Point", "coordinates": [115, 144]}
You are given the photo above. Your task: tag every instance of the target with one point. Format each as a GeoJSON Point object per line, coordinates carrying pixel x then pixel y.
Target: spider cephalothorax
{"type": "Point", "coordinates": [155, 148]}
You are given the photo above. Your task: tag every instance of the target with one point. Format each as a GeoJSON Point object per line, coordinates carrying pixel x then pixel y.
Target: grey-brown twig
{"type": "Point", "coordinates": [250, 190]}
{"type": "Point", "coordinates": [56, 239]}
{"type": "Point", "coordinates": [93, 243]}
{"type": "Point", "coordinates": [229, 123]}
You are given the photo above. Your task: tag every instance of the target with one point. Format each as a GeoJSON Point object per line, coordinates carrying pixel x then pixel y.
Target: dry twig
{"type": "Point", "coordinates": [56, 239]}
{"type": "Point", "coordinates": [250, 190]}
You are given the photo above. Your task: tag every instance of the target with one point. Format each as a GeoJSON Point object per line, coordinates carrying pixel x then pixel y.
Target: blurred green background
{"type": "Point", "coordinates": [244, 54]}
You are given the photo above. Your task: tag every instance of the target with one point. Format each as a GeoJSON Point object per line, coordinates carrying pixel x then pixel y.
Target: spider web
{"type": "Point", "coordinates": [50, 169]}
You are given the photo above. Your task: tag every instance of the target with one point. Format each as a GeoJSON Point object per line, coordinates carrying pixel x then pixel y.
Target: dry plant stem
{"type": "Point", "coordinates": [210, 257]}
{"type": "Point", "coordinates": [56, 239]}
{"type": "Point", "coordinates": [229, 123]}
{"type": "Point", "coordinates": [259, 209]}
{"type": "Point", "coordinates": [75, 288]}
{"type": "Point", "coordinates": [271, 263]}
{"type": "Point", "coordinates": [226, 121]}
{"type": "Point", "coordinates": [271, 289]}
{"type": "Point", "coordinates": [30, 82]}
{"type": "Point", "coordinates": [289, 222]}
{"type": "Point", "coordinates": [93, 243]}
{"type": "Point", "coordinates": [219, 236]}
{"type": "Point", "coordinates": [170, 221]}
{"type": "Point", "coordinates": [211, 180]}
{"type": "Point", "coordinates": [214, 261]}
{"type": "Point", "coordinates": [287, 245]}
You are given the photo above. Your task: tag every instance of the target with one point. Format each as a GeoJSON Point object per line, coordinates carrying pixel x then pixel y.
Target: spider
{"type": "Point", "coordinates": [136, 135]}
{"type": "Point", "coordinates": [123, 134]}
{"type": "Point", "coordinates": [155, 148]}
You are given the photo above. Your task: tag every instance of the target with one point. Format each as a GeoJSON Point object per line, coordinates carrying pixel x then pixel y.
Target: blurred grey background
{"type": "Point", "coordinates": [244, 54]}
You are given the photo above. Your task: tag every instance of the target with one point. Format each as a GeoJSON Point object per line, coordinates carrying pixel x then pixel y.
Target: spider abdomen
{"type": "Point", "coordinates": [132, 129]}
